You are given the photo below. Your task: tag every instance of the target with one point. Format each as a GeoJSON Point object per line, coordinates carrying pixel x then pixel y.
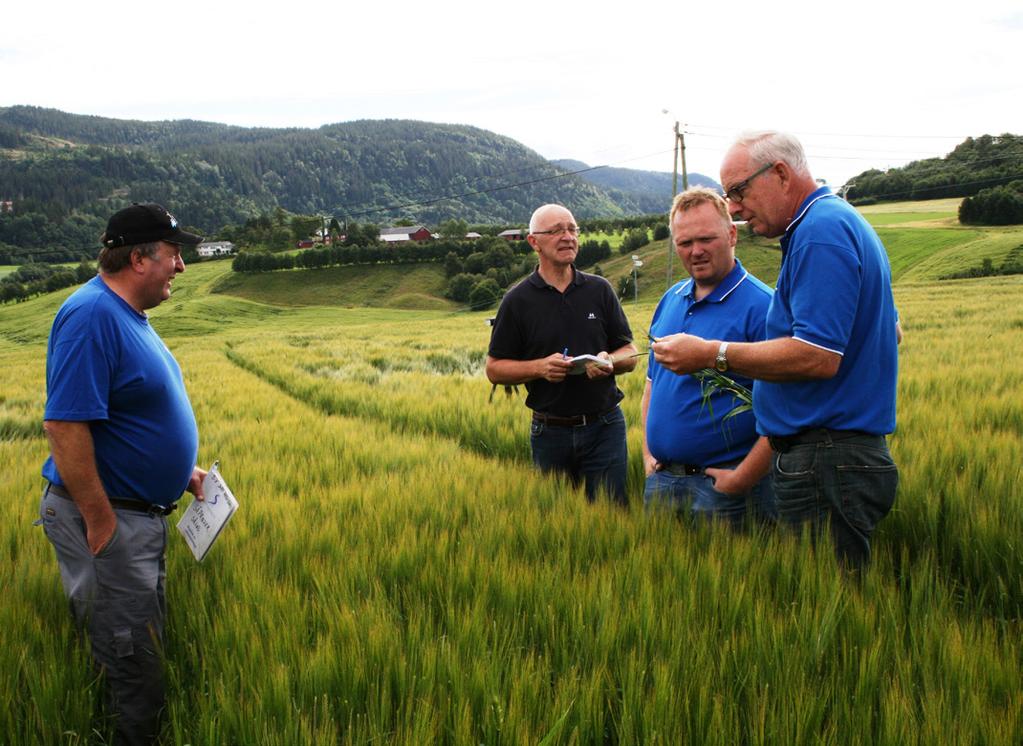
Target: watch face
{"type": "Point", "coordinates": [721, 365]}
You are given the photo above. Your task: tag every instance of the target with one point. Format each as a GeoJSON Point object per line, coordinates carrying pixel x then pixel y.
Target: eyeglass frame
{"type": "Point", "coordinates": [743, 185]}
{"type": "Point", "coordinates": [571, 229]}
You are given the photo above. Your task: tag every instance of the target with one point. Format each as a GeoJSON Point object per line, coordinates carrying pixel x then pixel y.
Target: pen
{"type": "Point", "coordinates": [565, 353]}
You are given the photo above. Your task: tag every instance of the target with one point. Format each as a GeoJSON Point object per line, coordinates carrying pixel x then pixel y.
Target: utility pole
{"type": "Point", "coordinates": [681, 135]}
{"type": "Point", "coordinates": [680, 147]}
{"type": "Point", "coordinates": [674, 190]}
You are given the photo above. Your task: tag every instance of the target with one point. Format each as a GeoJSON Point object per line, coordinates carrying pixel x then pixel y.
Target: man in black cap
{"type": "Point", "coordinates": [123, 447]}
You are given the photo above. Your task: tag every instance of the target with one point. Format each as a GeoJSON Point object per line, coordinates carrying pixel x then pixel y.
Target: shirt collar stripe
{"type": "Point", "coordinates": [808, 206]}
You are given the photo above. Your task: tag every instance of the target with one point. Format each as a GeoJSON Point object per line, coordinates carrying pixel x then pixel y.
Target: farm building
{"type": "Point", "coordinates": [405, 233]}
{"type": "Point", "coordinates": [215, 248]}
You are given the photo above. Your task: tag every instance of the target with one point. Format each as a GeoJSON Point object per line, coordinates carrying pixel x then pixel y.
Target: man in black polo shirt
{"type": "Point", "coordinates": [555, 314]}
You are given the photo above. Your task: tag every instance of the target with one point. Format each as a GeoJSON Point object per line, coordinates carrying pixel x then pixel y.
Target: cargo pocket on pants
{"type": "Point", "coordinates": [124, 647]}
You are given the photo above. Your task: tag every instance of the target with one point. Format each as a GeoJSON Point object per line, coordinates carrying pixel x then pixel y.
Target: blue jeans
{"type": "Point", "coordinates": [846, 486]}
{"type": "Point", "coordinates": [595, 453]}
{"type": "Point", "coordinates": [694, 496]}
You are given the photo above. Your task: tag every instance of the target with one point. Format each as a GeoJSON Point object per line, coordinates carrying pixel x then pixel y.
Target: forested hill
{"type": "Point", "coordinates": [650, 190]}
{"type": "Point", "coordinates": [65, 173]}
{"type": "Point", "coordinates": [975, 164]}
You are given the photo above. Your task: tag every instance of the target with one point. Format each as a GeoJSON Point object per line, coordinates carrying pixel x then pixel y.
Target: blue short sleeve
{"type": "Point", "coordinates": [78, 375]}
{"type": "Point", "coordinates": [824, 309]}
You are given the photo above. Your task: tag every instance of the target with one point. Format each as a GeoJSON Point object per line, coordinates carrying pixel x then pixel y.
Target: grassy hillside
{"type": "Point", "coordinates": [416, 286]}
{"type": "Point", "coordinates": [65, 173]}
{"type": "Point", "coordinates": [900, 212]}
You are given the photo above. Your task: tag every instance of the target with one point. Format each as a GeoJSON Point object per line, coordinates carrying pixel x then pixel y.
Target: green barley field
{"type": "Point", "coordinates": [398, 574]}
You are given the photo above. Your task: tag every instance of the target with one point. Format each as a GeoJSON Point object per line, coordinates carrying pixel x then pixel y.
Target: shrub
{"type": "Point", "coordinates": [484, 294]}
{"type": "Point", "coordinates": [995, 206]}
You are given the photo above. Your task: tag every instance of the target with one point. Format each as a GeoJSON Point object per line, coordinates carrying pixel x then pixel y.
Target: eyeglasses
{"type": "Point", "coordinates": [572, 230]}
{"type": "Point", "coordinates": [735, 194]}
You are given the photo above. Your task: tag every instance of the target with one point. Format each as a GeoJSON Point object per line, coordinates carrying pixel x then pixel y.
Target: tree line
{"type": "Point", "coordinates": [975, 164]}
{"type": "Point", "coordinates": [477, 271]}
{"type": "Point", "coordinates": [33, 279]}
{"type": "Point", "coordinates": [996, 206]}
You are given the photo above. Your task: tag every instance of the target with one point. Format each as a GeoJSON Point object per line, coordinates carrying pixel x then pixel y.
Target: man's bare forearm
{"type": "Point", "coordinates": [782, 359]}
{"type": "Point", "coordinates": [73, 453]}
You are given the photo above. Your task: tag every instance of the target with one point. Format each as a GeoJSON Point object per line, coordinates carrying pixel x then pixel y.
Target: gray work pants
{"type": "Point", "coordinates": [117, 597]}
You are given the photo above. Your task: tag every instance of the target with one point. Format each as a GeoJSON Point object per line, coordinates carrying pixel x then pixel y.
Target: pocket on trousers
{"type": "Point", "coordinates": [124, 646]}
{"type": "Point", "coordinates": [795, 485]}
{"type": "Point", "coordinates": [63, 526]}
{"type": "Point", "coordinates": [614, 416]}
{"type": "Point", "coordinates": [112, 543]}
{"type": "Point", "coordinates": [868, 493]}
{"type": "Point", "coordinates": [798, 462]}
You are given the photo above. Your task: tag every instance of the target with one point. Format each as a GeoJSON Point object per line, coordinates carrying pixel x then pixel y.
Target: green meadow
{"type": "Point", "coordinates": [398, 573]}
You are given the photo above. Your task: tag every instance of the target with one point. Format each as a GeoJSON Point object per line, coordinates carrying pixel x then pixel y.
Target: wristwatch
{"type": "Point", "coordinates": [721, 362]}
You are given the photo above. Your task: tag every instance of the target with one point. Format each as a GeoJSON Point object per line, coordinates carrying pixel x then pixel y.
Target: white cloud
{"type": "Point", "coordinates": [566, 79]}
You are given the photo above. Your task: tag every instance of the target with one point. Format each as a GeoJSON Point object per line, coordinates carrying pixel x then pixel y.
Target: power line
{"type": "Point", "coordinates": [848, 134]}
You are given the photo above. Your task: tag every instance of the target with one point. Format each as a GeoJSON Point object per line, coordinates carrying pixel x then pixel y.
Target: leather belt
{"type": "Point", "coordinates": [575, 420]}
{"type": "Point", "coordinates": [138, 506]}
{"type": "Point", "coordinates": [680, 469]}
{"type": "Point", "coordinates": [783, 443]}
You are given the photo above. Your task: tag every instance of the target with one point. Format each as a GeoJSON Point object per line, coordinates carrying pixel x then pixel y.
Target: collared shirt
{"type": "Point", "coordinates": [536, 320]}
{"type": "Point", "coordinates": [107, 366]}
{"type": "Point", "coordinates": [680, 426]}
{"type": "Point", "coordinates": [834, 291]}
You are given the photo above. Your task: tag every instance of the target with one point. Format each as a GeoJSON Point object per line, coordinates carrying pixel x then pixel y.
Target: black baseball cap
{"type": "Point", "coordinates": [144, 224]}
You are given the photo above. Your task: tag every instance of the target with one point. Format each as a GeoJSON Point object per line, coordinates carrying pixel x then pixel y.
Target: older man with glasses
{"type": "Point", "coordinates": [556, 314]}
{"type": "Point", "coordinates": [826, 375]}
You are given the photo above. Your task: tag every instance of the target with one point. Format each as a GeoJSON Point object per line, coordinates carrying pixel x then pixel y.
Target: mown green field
{"type": "Point", "coordinates": [397, 573]}
{"type": "Point", "coordinates": [405, 286]}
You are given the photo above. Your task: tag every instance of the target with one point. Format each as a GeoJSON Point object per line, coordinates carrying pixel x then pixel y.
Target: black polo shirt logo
{"type": "Point", "coordinates": [592, 315]}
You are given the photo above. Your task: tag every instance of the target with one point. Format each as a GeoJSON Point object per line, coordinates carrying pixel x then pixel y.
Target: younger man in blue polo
{"type": "Point", "coordinates": [697, 460]}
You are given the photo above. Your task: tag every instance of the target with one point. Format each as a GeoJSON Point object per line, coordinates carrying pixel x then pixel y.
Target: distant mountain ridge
{"type": "Point", "coordinates": [65, 173]}
{"type": "Point", "coordinates": [651, 191]}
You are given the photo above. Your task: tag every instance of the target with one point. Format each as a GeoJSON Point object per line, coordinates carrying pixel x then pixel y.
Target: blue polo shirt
{"type": "Point", "coordinates": [834, 292]}
{"type": "Point", "coordinates": [105, 365]}
{"type": "Point", "coordinates": [679, 426]}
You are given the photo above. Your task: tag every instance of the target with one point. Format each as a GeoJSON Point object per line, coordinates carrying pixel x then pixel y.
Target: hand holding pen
{"type": "Point", "coordinates": [554, 367]}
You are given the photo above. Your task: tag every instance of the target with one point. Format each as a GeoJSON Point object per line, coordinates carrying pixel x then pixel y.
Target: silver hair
{"type": "Point", "coordinates": [534, 220]}
{"type": "Point", "coordinates": [771, 146]}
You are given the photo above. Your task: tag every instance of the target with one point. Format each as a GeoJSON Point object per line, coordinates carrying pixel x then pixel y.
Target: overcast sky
{"type": "Point", "coordinates": [864, 85]}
